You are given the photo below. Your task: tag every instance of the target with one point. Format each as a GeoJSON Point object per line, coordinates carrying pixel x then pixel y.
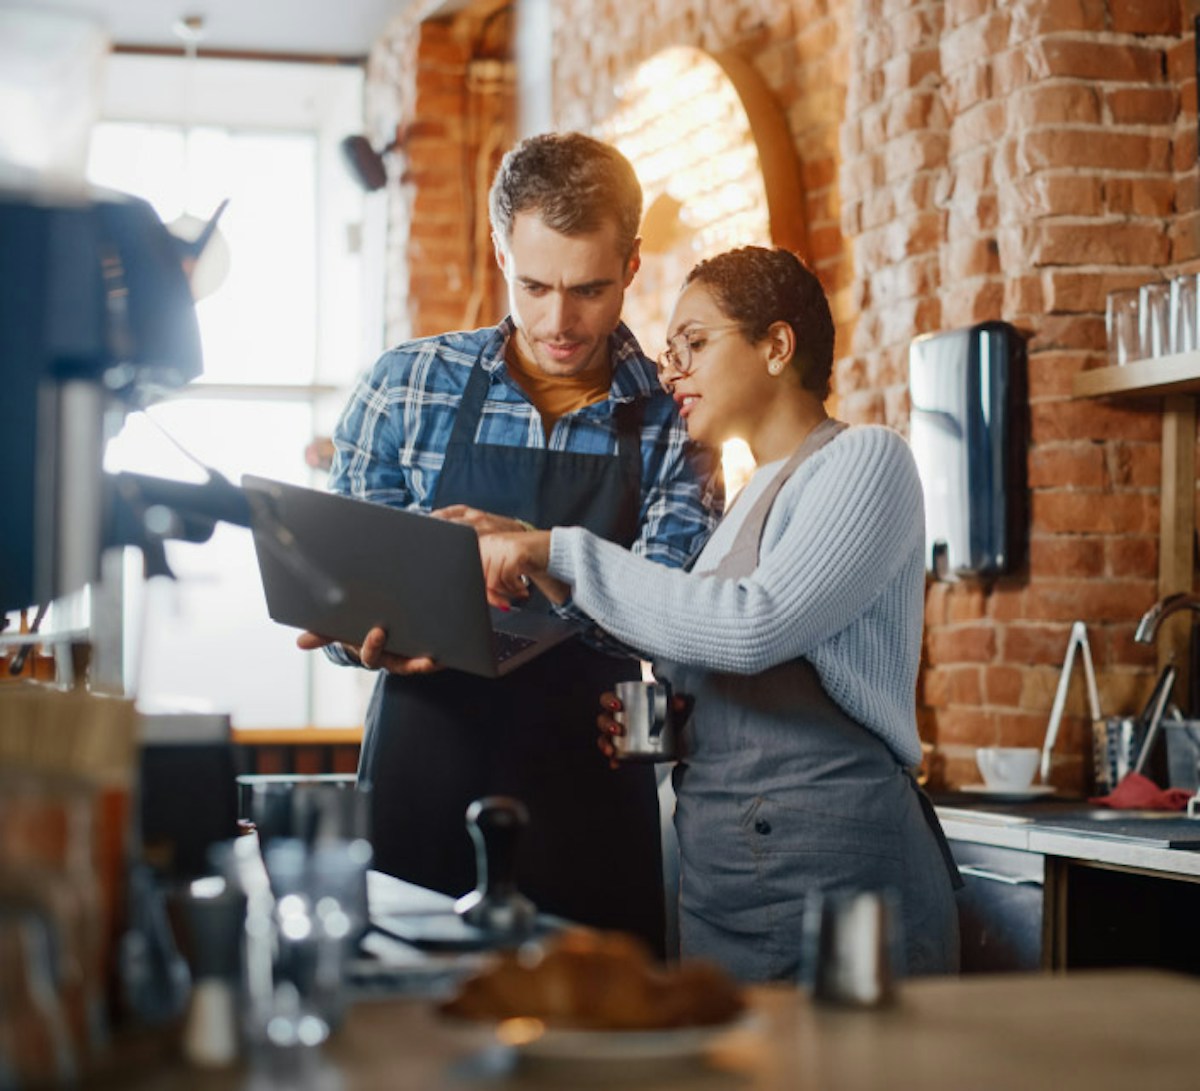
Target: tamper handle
{"type": "Point", "coordinates": [495, 824]}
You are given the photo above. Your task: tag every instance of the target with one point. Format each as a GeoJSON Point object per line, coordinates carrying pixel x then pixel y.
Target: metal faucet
{"type": "Point", "coordinates": [1147, 628]}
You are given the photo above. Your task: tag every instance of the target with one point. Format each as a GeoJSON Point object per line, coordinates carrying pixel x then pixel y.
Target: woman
{"type": "Point", "coordinates": [797, 632]}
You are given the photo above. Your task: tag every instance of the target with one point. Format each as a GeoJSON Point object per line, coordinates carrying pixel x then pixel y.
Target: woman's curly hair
{"type": "Point", "coordinates": [757, 286]}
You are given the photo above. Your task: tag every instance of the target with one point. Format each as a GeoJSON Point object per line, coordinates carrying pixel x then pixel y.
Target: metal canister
{"type": "Point", "coordinates": [1116, 742]}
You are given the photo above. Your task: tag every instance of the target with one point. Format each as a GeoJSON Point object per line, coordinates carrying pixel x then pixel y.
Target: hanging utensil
{"type": "Point", "coordinates": [1153, 715]}
{"type": "Point", "coordinates": [1078, 642]}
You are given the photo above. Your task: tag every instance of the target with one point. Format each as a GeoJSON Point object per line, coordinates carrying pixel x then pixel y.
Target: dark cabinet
{"type": "Point", "coordinates": [1001, 908]}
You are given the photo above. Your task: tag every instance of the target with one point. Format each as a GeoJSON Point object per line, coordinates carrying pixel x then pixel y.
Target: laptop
{"type": "Point", "coordinates": [339, 566]}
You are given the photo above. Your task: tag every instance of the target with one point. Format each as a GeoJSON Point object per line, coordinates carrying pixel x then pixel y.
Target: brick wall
{"type": "Point", "coordinates": [444, 85]}
{"type": "Point", "coordinates": [967, 160]}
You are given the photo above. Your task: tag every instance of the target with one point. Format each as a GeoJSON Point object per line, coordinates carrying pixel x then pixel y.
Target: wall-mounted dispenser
{"type": "Point", "coordinates": [968, 435]}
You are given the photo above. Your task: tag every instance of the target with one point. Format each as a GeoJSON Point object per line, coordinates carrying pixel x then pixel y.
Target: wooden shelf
{"type": "Point", "coordinates": [1179, 374]}
{"type": "Point", "coordinates": [1175, 379]}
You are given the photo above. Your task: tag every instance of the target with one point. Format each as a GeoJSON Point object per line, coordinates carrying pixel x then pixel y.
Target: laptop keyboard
{"type": "Point", "coordinates": [508, 644]}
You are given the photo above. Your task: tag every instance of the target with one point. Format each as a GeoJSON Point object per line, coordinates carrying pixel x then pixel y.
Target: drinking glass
{"type": "Point", "coordinates": [1121, 325]}
{"type": "Point", "coordinates": [1185, 303]}
{"type": "Point", "coordinates": [1154, 312]}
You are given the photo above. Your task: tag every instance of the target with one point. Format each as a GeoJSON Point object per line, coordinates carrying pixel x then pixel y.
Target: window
{"type": "Point", "coordinates": [284, 336]}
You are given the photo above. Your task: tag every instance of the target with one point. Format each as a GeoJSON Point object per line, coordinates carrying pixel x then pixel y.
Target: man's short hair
{"type": "Point", "coordinates": [573, 182]}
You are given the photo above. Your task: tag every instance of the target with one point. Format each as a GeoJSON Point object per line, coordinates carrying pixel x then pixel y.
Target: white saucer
{"type": "Point", "coordinates": [1011, 795]}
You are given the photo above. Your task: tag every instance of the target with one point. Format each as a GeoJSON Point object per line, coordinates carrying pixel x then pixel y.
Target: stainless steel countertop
{"type": "Point", "coordinates": [1035, 827]}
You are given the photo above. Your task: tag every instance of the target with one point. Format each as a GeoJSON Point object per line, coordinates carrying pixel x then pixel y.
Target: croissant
{"type": "Point", "coordinates": [594, 980]}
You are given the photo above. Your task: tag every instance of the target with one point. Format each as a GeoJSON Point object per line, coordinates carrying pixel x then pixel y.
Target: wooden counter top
{"type": "Point", "coordinates": [1089, 1031]}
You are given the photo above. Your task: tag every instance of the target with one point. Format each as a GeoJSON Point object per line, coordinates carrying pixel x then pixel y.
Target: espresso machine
{"type": "Point", "coordinates": [96, 319]}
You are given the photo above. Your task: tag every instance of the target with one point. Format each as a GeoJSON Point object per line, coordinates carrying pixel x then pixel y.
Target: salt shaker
{"type": "Point", "coordinates": [849, 949]}
{"type": "Point", "coordinates": [215, 916]}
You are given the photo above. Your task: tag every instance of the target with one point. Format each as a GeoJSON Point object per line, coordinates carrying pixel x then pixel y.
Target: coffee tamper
{"type": "Point", "coordinates": [495, 905]}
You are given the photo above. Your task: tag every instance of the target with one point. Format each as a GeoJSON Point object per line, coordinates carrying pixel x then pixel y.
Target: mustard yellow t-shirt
{"type": "Point", "coordinates": [554, 396]}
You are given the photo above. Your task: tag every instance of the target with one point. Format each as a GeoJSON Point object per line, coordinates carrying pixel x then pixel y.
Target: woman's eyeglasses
{"type": "Point", "coordinates": [678, 354]}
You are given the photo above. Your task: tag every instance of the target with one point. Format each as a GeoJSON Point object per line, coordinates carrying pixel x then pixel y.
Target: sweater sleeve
{"type": "Point", "coordinates": [838, 533]}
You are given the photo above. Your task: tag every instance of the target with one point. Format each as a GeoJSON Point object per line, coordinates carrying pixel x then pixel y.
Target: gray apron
{"type": "Point", "coordinates": [433, 743]}
{"type": "Point", "coordinates": [781, 794]}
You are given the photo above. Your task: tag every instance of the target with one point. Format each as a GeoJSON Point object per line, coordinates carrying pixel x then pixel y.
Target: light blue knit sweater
{"type": "Point", "coordinates": [840, 582]}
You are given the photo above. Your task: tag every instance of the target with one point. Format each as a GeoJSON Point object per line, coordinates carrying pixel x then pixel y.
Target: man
{"type": "Point", "coordinates": [554, 417]}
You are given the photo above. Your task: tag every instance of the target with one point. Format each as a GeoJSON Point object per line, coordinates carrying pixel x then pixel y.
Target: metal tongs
{"type": "Point", "coordinates": [1078, 642]}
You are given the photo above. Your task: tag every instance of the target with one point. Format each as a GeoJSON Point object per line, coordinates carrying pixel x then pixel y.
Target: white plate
{"type": "Point", "coordinates": [1011, 795]}
{"type": "Point", "coordinates": [562, 1044]}
{"type": "Point", "coordinates": [674, 1044]}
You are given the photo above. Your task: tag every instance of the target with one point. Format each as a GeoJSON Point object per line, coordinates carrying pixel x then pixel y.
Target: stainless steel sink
{"type": "Point", "coordinates": [1107, 814]}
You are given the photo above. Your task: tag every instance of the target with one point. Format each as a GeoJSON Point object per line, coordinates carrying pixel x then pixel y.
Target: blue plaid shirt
{"type": "Point", "coordinates": [390, 443]}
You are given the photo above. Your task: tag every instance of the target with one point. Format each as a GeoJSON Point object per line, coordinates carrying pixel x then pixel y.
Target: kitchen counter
{"type": "Point", "coordinates": [1046, 827]}
{"type": "Point", "coordinates": [1090, 1031]}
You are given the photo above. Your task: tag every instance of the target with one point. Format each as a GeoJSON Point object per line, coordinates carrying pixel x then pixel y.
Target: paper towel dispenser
{"type": "Point", "coordinates": [968, 435]}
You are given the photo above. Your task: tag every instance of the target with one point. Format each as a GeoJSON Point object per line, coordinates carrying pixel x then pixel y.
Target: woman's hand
{"type": "Point", "coordinates": [371, 654]}
{"type": "Point", "coordinates": [483, 522]}
{"type": "Point", "coordinates": [512, 561]}
{"type": "Point", "coordinates": [609, 727]}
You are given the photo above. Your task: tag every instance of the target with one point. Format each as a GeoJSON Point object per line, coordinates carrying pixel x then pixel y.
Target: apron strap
{"type": "Point", "coordinates": [470, 406]}
{"type": "Point", "coordinates": [743, 554]}
{"type": "Point", "coordinates": [939, 835]}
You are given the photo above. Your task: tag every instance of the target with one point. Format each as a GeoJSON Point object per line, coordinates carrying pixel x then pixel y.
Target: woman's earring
{"type": "Point", "coordinates": [775, 367]}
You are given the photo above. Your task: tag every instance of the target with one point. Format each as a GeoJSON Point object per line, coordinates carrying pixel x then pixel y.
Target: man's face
{"type": "Point", "coordinates": [564, 293]}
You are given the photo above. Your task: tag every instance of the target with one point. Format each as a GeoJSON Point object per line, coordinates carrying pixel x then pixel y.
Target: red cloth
{"type": "Point", "coordinates": [1136, 792]}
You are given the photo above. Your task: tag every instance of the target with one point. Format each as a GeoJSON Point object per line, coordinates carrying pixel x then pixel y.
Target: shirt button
{"type": "Point", "coordinates": [761, 825]}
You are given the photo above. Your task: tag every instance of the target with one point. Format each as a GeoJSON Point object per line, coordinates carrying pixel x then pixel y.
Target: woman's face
{"type": "Point", "coordinates": [726, 385]}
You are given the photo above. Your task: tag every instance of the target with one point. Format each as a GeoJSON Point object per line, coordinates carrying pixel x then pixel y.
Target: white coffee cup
{"type": "Point", "coordinates": [1009, 767]}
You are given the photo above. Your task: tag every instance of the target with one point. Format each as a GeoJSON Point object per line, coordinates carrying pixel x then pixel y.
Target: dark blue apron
{"type": "Point", "coordinates": [434, 743]}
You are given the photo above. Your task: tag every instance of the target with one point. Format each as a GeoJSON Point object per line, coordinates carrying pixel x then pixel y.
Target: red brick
{"type": "Point", "coordinates": [1051, 374]}
{"type": "Point", "coordinates": [967, 725]}
{"type": "Point", "coordinates": [888, 367]}
{"type": "Point", "coordinates": [1035, 643]}
{"type": "Point", "coordinates": [914, 152]}
{"type": "Point", "coordinates": [1078, 465]}
{"type": "Point", "coordinates": [1185, 237]}
{"type": "Point", "coordinates": [1013, 69]}
{"type": "Point", "coordinates": [1145, 16]}
{"type": "Point", "coordinates": [964, 86]}
{"type": "Point", "coordinates": [1051, 243]}
{"type": "Point", "coordinates": [975, 40]}
{"type": "Point", "coordinates": [962, 644]}
{"type": "Point", "coordinates": [1181, 60]}
{"type": "Point", "coordinates": [1021, 729]}
{"type": "Point", "coordinates": [967, 602]}
{"type": "Point", "coordinates": [1142, 105]}
{"type": "Point", "coordinates": [1059, 332]}
{"type": "Point", "coordinates": [1140, 196]}
{"type": "Point", "coordinates": [1096, 600]}
{"type": "Point", "coordinates": [1060, 512]}
{"type": "Point", "coordinates": [1184, 149]}
{"type": "Point", "coordinates": [1128, 652]}
{"type": "Point", "coordinates": [1136, 465]}
{"type": "Point", "coordinates": [1082, 148]}
{"type": "Point", "coordinates": [1051, 194]}
{"type": "Point", "coordinates": [912, 110]}
{"type": "Point", "coordinates": [911, 70]}
{"type": "Point", "coordinates": [980, 125]}
{"type": "Point", "coordinates": [1002, 685]}
{"type": "Point", "coordinates": [1007, 603]}
{"type": "Point", "coordinates": [968, 302]}
{"type": "Point", "coordinates": [1054, 104]}
{"type": "Point", "coordinates": [967, 257]}
{"type": "Point", "coordinates": [1133, 558]}
{"type": "Point", "coordinates": [1023, 296]}
{"type": "Point", "coordinates": [1032, 20]}
{"type": "Point", "coordinates": [957, 12]}
{"type": "Point", "coordinates": [1088, 59]}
